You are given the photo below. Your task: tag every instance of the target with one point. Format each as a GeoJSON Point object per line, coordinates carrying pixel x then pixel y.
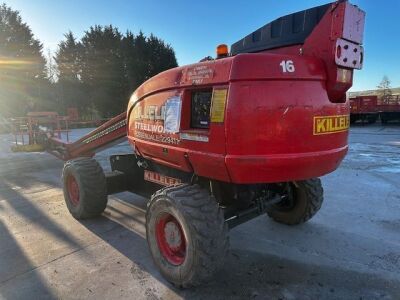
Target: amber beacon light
{"type": "Point", "coordinates": [222, 51]}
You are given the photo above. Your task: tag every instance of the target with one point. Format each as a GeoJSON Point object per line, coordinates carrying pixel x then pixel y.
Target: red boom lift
{"type": "Point", "coordinates": [222, 141]}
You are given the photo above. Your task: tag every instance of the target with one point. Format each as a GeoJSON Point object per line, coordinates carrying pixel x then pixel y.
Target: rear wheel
{"type": "Point", "coordinates": [85, 188]}
{"type": "Point", "coordinates": [301, 200]}
{"type": "Point", "coordinates": [186, 233]}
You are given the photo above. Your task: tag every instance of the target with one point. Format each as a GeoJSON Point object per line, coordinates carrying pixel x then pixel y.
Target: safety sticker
{"type": "Point", "coordinates": [199, 74]}
{"type": "Point", "coordinates": [218, 105]}
{"type": "Point", "coordinates": [194, 137]}
{"type": "Point", "coordinates": [331, 124]}
{"type": "Point", "coordinates": [172, 114]}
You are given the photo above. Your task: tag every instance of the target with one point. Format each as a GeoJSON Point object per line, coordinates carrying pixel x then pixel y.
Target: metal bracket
{"type": "Point", "coordinates": [348, 54]}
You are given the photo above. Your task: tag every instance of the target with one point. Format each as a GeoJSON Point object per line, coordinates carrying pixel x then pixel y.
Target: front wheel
{"type": "Point", "coordinates": [301, 200]}
{"type": "Point", "coordinates": [186, 233]}
{"type": "Point", "coordinates": [85, 188]}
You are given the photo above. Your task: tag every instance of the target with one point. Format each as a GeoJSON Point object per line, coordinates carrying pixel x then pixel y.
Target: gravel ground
{"type": "Point", "coordinates": [350, 250]}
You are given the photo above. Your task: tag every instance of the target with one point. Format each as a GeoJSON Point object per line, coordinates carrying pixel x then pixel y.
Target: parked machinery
{"type": "Point", "coordinates": [364, 109]}
{"type": "Point", "coordinates": [371, 107]}
{"type": "Point", "coordinates": [389, 109]}
{"type": "Point", "coordinates": [222, 141]}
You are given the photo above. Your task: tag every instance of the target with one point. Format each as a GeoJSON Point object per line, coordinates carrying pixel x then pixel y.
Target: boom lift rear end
{"type": "Point", "coordinates": [229, 139]}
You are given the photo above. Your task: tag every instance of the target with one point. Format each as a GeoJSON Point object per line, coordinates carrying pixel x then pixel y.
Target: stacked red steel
{"type": "Point", "coordinates": [369, 108]}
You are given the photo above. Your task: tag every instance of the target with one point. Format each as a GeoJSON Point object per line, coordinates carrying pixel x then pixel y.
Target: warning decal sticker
{"type": "Point", "coordinates": [218, 105]}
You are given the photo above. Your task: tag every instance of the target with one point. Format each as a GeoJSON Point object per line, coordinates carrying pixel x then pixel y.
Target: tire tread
{"type": "Point", "coordinates": [208, 223]}
{"type": "Point", "coordinates": [93, 186]}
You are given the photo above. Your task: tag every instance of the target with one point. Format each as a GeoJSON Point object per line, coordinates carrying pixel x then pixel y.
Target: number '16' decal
{"type": "Point", "coordinates": [287, 66]}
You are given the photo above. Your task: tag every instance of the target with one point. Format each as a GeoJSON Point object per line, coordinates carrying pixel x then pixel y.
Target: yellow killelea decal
{"type": "Point", "coordinates": [218, 105]}
{"type": "Point", "coordinates": [331, 124]}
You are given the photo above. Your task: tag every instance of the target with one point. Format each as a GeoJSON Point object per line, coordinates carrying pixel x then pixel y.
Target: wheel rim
{"type": "Point", "coordinates": [171, 240]}
{"type": "Point", "coordinates": [73, 190]}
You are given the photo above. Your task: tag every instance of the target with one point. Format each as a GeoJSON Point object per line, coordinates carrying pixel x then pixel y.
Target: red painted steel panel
{"type": "Point", "coordinates": [364, 104]}
{"type": "Point", "coordinates": [274, 128]}
{"type": "Point", "coordinates": [276, 99]}
{"type": "Point", "coordinates": [283, 114]}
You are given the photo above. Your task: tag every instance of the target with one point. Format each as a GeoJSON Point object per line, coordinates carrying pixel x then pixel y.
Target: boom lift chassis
{"type": "Point", "coordinates": [220, 142]}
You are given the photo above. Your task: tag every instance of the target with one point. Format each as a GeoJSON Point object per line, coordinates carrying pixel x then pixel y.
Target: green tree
{"type": "Point", "coordinates": [103, 73]}
{"type": "Point", "coordinates": [162, 56]}
{"type": "Point", "coordinates": [100, 72]}
{"type": "Point", "coordinates": [70, 89]}
{"type": "Point", "coordinates": [22, 66]}
{"type": "Point", "coordinates": [145, 57]}
{"type": "Point", "coordinates": [133, 49]}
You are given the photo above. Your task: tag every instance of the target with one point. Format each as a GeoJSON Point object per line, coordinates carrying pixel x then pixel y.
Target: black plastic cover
{"type": "Point", "coordinates": [201, 104]}
{"type": "Point", "coordinates": [285, 31]}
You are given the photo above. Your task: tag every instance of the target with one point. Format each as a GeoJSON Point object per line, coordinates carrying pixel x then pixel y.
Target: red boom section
{"type": "Point", "coordinates": [105, 136]}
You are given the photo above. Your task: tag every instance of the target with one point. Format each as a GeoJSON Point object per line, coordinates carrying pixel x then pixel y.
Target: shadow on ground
{"type": "Point", "coordinates": [246, 273]}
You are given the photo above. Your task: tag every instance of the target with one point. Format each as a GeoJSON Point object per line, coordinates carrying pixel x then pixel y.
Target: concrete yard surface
{"type": "Point", "coordinates": [349, 250]}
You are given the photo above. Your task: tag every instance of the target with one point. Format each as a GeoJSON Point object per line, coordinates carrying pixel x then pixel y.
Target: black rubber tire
{"type": "Point", "coordinates": [308, 198]}
{"type": "Point", "coordinates": [206, 233]}
{"type": "Point", "coordinates": [92, 184]}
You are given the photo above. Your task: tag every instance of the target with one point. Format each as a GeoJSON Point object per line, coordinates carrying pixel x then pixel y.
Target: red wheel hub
{"type": "Point", "coordinates": [73, 189]}
{"type": "Point", "coordinates": [171, 239]}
